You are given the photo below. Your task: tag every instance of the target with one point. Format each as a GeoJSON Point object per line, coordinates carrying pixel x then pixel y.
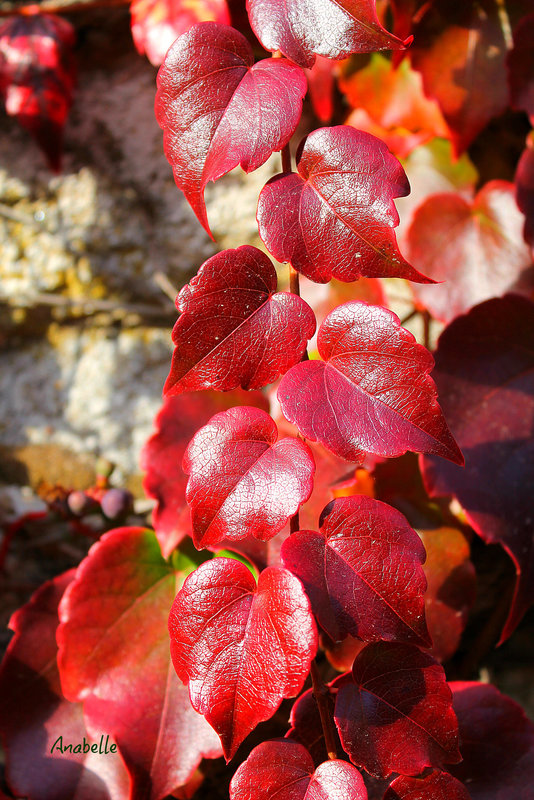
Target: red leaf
{"type": "Point", "coordinates": [461, 56]}
{"type": "Point", "coordinates": [372, 393]}
{"type": "Point", "coordinates": [235, 329]}
{"type": "Point", "coordinates": [397, 715]}
{"type": "Point", "coordinates": [520, 64]}
{"type": "Point", "coordinates": [484, 371]}
{"type": "Point", "coordinates": [242, 481]}
{"type": "Point", "coordinates": [302, 29]}
{"type": "Point", "coordinates": [321, 87]}
{"type": "Point", "coordinates": [497, 744]}
{"type": "Point", "coordinates": [524, 183]}
{"type": "Point", "coordinates": [284, 770]}
{"type": "Point", "coordinates": [363, 575]}
{"type": "Point", "coordinates": [241, 647]}
{"type": "Point", "coordinates": [37, 77]}
{"type": "Point", "coordinates": [450, 593]}
{"type": "Point", "coordinates": [435, 786]}
{"type": "Point", "coordinates": [486, 257]}
{"type": "Point", "coordinates": [305, 720]}
{"type": "Point", "coordinates": [335, 218]}
{"type": "Point", "coordinates": [157, 23]}
{"type": "Point", "coordinates": [114, 655]}
{"type": "Point", "coordinates": [218, 109]}
{"type": "Point", "coordinates": [179, 419]}
{"type": "Point", "coordinates": [34, 714]}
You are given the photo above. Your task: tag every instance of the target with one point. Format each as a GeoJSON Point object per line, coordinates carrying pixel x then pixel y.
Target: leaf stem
{"type": "Point", "coordinates": [286, 159]}
{"type": "Point", "coordinates": [294, 523]}
{"type": "Point", "coordinates": [294, 285]}
{"type": "Point", "coordinates": [320, 692]}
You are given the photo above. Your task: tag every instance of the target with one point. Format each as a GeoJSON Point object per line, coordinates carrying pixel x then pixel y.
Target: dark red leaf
{"type": "Point", "coordinates": [306, 727]}
{"type": "Point", "coordinates": [37, 77]}
{"type": "Point", "coordinates": [363, 573]}
{"type": "Point", "coordinates": [302, 29]}
{"type": "Point", "coordinates": [520, 63]}
{"type": "Point", "coordinates": [524, 185]}
{"type": "Point", "coordinates": [372, 393]}
{"type": "Point", "coordinates": [397, 714]}
{"type": "Point", "coordinates": [157, 23]}
{"type": "Point", "coordinates": [485, 375]}
{"type": "Point", "coordinates": [486, 257]}
{"type": "Point", "coordinates": [335, 218]}
{"type": "Point", "coordinates": [218, 109]}
{"type": "Point", "coordinates": [461, 55]}
{"type": "Point", "coordinates": [34, 714]}
{"type": "Point", "coordinates": [435, 786]}
{"type": "Point", "coordinates": [235, 329]}
{"type": "Point", "coordinates": [242, 647]}
{"type": "Point", "coordinates": [284, 770]}
{"type": "Point", "coordinates": [450, 593]}
{"type": "Point", "coordinates": [242, 481]}
{"type": "Point", "coordinates": [497, 744]}
{"type": "Point", "coordinates": [114, 655]}
{"type": "Point", "coordinates": [179, 419]}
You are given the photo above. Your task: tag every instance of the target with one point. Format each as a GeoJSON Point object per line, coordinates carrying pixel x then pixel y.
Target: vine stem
{"type": "Point", "coordinates": [320, 693]}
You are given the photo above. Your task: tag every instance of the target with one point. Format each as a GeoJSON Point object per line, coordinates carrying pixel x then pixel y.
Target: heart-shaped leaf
{"type": "Point", "coordinates": [235, 329]}
{"type": "Point", "coordinates": [218, 109]}
{"type": "Point", "coordinates": [284, 770]}
{"type": "Point", "coordinates": [37, 76]}
{"type": "Point", "coordinates": [157, 23]}
{"type": "Point", "coordinates": [497, 743]}
{"type": "Point", "coordinates": [179, 419]}
{"type": "Point", "coordinates": [485, 374]}
{"type": "Point", "coordinates": [372, 393]}
{"type": "Point", "coordinates": [363, 573]}
{"type": "Point", "coordinates": [242, 647]}
{"type": "Point", "coordinates": [114, 655]}
{"type": "Point", "coordinates": [486, 257]}
{"type": "Point", "coordinates": [397, 714]}
{"type": "Point", "coordinates": [435, 786]}
{"type": "Point", "coordinates": [242, 481]}
{"type": "Point", "coordinates": [302, 29]}
{"type": "Point", "coordinates": [37, 723]}
{"type": "Point", "coordinates": [335, 217]}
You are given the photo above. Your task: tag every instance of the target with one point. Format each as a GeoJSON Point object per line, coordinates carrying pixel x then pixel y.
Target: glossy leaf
{"type": "Point", "coordinates": [179, 419]}
{"type": "Point", "coordinates": [34, 714]}
{"type": "Point", "coordinates": [114, 655]}
{"type": "Point", "coordinates": [524, 183]}
{"type": "Point", "coordinates": [218, 109]}
{"type": "Point", "coordinates": [397, 714]}
{"type": "Point", "coordinates": [335, 217]}
{"type": "Point", "coordinates": [157, 23]}
{"type": "Point", "coordinates": [435, 786]}
{"type": "Point", "coordinates": [520, 64]}
{"type": "Point", "coordinates": [234, 328]}
{"type": "Point", "coordinates": [241, 647]}
{"type": "Point", "coordinates": [497, 743]}
{"type": "Point", "coordinates": [486, 257]}
{"type": "Point", "coordinates": [372, 393]}
{"type": "Point", "coordinates": [451, 588]}
{"type": "Point", "coordinates": [363, 573]}
{"type": "Point", "coordinates": [485, 375]}
{"type": "Point", "coordinates": [302, 29]}
{"type": "Point", "coordinates": [461, 55]}
{"type": "Point", "coordinates": [242, 481]}
{"type": "Point", "coordinates": [284, 770]}
{"type": "Point", "coordinates": [37, 77]}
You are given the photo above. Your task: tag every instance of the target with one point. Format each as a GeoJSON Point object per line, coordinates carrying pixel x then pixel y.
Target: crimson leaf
{"type": "Point", "coordinates": [37, 77]}
{"type": "Point", "coordinates": [397, 714]}
{"type": "Point", "coordinates": [241, 647]}
{"type": "Point", "coordinates": [435, 786]}
{"type": "Point", "coordinates": [305, 720]}
{"type": "Point", "coordinates": [242, 481]}
{"type": "Point", "coordinates": [235, 329]}
{"type": "Point", "coordinates": [486, 257]}
{"type": "Point", "coordinates": [335, 218]}
{"type": "Point", "coordinates": [363, 573]}
{"type": "Point", "coordinates": [497, 743]}
{"type": "Point", "coordinates": [284, 770]}
{"type": "Point", "coordinates": [34, 714]}
{"type": "Point", "coordinates": [372, 393]}
{"type": "Point", "coordinates": [114, 655]}
{"type": "Point", "coordinates": [218, 109]}
{"type": "Point", "coordinates": [301, 29]}
{"type": "Point", "coordinates": [485, 374]}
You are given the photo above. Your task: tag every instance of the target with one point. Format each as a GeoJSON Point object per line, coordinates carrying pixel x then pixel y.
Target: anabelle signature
{"type": "Point", "coordinates": [84, 747]}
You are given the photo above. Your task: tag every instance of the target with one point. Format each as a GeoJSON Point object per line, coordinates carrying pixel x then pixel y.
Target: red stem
{"type": "Point", "coordinates": [286, 159]}
{"type": "Point", "coordinates": [320, 692]}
